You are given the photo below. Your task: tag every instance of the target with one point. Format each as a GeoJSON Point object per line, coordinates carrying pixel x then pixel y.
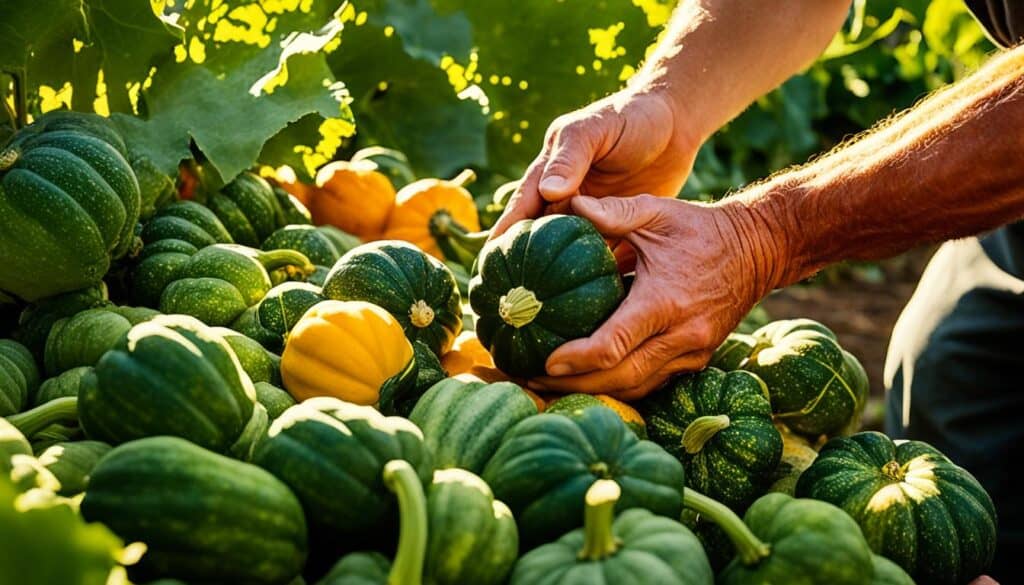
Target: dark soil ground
{"type": "Point", "coordinates": [861, 304]}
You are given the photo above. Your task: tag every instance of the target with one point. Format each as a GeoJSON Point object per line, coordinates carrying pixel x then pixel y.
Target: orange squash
{"type": "Point", "coordinates": [418, 204]}
{"type": "Point", "coordinates": [285, 178]}
{"type": "Point", "coordinates": [353, 196]}
{"type": "Point", "coordinates": [469, 356]}
{"type": "Point", "coordinates": [348, 350]}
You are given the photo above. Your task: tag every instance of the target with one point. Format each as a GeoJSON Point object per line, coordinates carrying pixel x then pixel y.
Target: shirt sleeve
{"type": "Point", "coordinates": [1002, 19]}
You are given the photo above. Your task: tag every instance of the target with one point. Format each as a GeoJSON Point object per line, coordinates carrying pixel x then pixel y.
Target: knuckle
{"type": "Point", "coordinates": [703, 333]}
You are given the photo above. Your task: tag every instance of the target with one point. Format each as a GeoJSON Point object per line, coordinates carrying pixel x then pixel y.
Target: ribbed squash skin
{"type": "Point", "coordinates": [735, 465]}
{"type": "Point", "coordinates": [652, 551]}
{"type": "Point", "coordinates": [332, 454]}
{"type": "Point", "coordinates": [178, 231]}
{"type": "Point", "coordinates": [66, 384]}
{"type": "Point", "coordinates": [888, 572]}
{"type": "Point", "coordinates": [258, 363]}
{"type": "Point", "coordinates": [204, 517]}
{"type": "Point", "coordinates": [69, 202]}
{"type": "Point", "coordinates": [342, 241]}
{"type": "Point", "coordinates": [811, 543]}
{"type": "Point", "coordinates": [566, 265]}
{"type": "Point", "coordinates": [311, 241]}
{"type": "Point", "coordinates": [72, 463]}
{"type": "Point", "coordinates": [82, 340]}
{"type": "Point", "coordinates": [171, 376]}
{"type": "Point", "coordinates": [417, 203]}
{"type": "Point", "coordinates": [275, 400]}
{"type": "Point", "coordinates": [418, 290]}
{"type": "Point", "coordinates": [913, 504]}
{"type": "Point", "coordinates": [37, 319]}
{"type": "Point", "coordinates": [346, 349]}
{"type": "Point", "coordinates": [248, 209]}
{"type": "Point", "coordinates": [293, 210]}
{"type": "Point", "coordinates": [366, 568]}
{"type": "Point", "coordinates": [546, 463]}
{"type": "Point", "coordinates": [574, 404]}
{"type": "Point", "coordinates": [463, 422]}
{"type": "Point", "coordinates": [353, 197]}
{"type": "Point", "coordinates": [816, 387]}
{"type": "Point", "coordinates": [472, 537]}
{"type": "Point", "coordinates": [428, 372]}
{"type": "Point", "coordinates": [19, 377]}
{"type": "Point", "coordinates": [285, 304]}
{"type": "Point", "coordinates": [248, 324]}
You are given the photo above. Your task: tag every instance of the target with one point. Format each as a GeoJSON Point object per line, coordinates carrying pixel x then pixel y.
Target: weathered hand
{"type": "Point", "coordinates": [632, 142]}
{"type": "Point", "coordinates": [699, 270]}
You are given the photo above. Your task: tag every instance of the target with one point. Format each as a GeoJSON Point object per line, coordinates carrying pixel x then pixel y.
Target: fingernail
{"type": "Point", "coordinates": [554, 183]}
{"type": "Point", "coordinates": [560, 370]}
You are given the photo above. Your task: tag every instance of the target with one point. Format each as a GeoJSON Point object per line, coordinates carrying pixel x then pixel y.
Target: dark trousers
{"type": "Point", "coordinates": [955, 375]}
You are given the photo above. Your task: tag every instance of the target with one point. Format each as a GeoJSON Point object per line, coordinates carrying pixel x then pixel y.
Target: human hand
{"type": "Point", "coordinates": [699, 269]}
{"type": "Point", "coordinates": [984, 580]}
{"type": "Point", "coordinates": [632, 142]}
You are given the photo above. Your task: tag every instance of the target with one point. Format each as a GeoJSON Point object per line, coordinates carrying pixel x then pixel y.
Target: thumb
{"type": "Point", "coordinates": [618, 217]}
{"type": "Point", "coordinates": [569, 161]}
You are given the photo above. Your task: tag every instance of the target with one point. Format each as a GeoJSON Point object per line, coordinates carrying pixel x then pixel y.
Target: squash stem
{"type": "Point", "coordinates": [401, 479]}
{"type": "Point", "coordinates": [598, 519]}
{"type": "Point", "coordinates": [519, 307]}
{"type": "Point", "coordinates": [32, 421]}
{"type": "Point", "coordinates": [750, 549]}
{"type": "Point", "coordinates": [700, 431]}
{"type": "Point", "coordinates": [456, 242]}
{"type": "Point", "coordinates": [8, 158]}
{"type": "Point", "coordinates": [290, 260]}
{"type": "Point", "coordinates": [420, 314]}
{"type": "Point", "coordinates": [464, 178]}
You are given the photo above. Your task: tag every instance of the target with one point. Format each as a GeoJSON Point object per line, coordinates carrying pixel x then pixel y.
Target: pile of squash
{"type": "Point", "coordinates": [268, 382]}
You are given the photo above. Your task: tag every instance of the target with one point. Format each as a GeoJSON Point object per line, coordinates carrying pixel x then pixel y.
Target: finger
{"type": "Point", "coordinates": [558, 208]}
{"type": "Point", "coordinates": [525, 203]}
{"type": "Point", "coordinates": [631, 372]}
{"type": "Point", "coordinates": [571, 156]}
{"type": "Point", "coordinates": [691, 362]}
{"type": "Point", "coordinates": [625, 256]}
{"type": "Point", "coordinates": [618, 217]}
{"type": "Point", "coordinates": [628, 327]}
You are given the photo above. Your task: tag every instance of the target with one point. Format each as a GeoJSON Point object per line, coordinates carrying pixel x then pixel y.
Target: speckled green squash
{"type": "Point", "coordinates": [429, 371]}
{"type": "Point", "coordinates": [276, 400]}
{"type": "Point", "coordinates": [82, 340]}
{"type": "Point", "coordinates": [19, 377]}
{"type": "Point", "coordinates": [311, 241]}
{"type": "Point", "coordinates": [69, 202]}
{"type": "Point", "coordinates": [540, 284]}
{"type": "Point", "coordinates": [637, 547]}
{"type": "Point", "coordinates": [72, 463]}
{"type": "Point", "coordinates": [66, 384]}
{"type": "Point", "coordinates": [219, 282]}
{"type": "Point", "coordinates": [417, 289]}
{"type": "Point", "coordinates": [284, 305]}
{"type": "Point", "coordinates": [343, 241]}
{"type": "Point", "coordinates": [258, 363]}
{"type": "Point", "coordinates": [172, 376]}
{"type": "Point", "coordinates": [204, 518]}
{"type": "Point", "coordinates": [248, 209]}
{"type": "Point", "coordinates": [293, 212]}
{"type": "Point", "coordinates": [889, 573]}
{"type": "Point", "coordinates": [914, 505]}
{"type": "Point", "coordinates": [156, 188]}
{"type": "Point", "coordinates": [472, 537]}
{"type": "Point", "coordinates": [332, 454]}
{"type": "Point", "coordinates": [248, 324]}
{"type": "Point", "coordinates": [37, 319]}
{"type": "Point", "coordinates": [546, 463]}
{"type": "Point", "coordinates": [464, 422]}
{"type": "Point", "coordinates": [719, 425]}
{"type": "Point", "coordinates": [816, 387]}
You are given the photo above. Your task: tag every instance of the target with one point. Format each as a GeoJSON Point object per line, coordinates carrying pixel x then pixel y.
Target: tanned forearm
{"type": "Point", "coordinates": [718, 56]}
{"type": "Point", "coordinates": [950, 167]}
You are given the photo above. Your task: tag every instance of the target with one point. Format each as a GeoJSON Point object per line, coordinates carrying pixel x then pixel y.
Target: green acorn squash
{"type": "Point", "coordinates": [816, 387]}
{"type": "Point", "coordinates": [19, 377]}
{"type": "Point", "coordinates": [574, 404]}
{"type": "Point", "coordinates": [472, 537]}
{"type": "Point", "coordinates": [429, 371]}
{"type": "Point", "coordinates": [417, 289]}
{"type": "Point", "coordinates": [785, 540]}
{"type": "Point", "coordinates": [314, 243]}
{"type": "Point", "coordinates": [293, 211]}
{"type": "Point", "coordinates": [219, 282]}
{"type": "Point", "coordinates": [248, 324]}
{"type": "Point", "coordinates": [156, 188]}
{"type": "Point", "coordinates": [72, 463]}
{"type": "Point", "coordinates": [332, 454]}
{"type": "Point", "coordinates": [546, 463]}
{"type": "Point", "coordinates": [914, 505]}
{"type": "Point", "coordinates": [540, 284]}
{"type": "Point", "coordinates": [276, 400]}
{"type": "Point", "coordinates": [82, 340]}
{"type": "Point", "coordinates": [284, 305]}
{"type": "Point", "coordinates": [37, 319]}
{"type": "Point", "coordinates": [888, 572]}
{"type": "Point", "coordinates": [66, 384]}
{"type": "Point", "coordinates": [69, 202]}
{"type": "Point", "coordinates": [463, 422]}
{"type": "Point", "coordinates": [248, 208]}
{"type": "Point", "coordinates": [369, 568]}
{"type": "Point", "coordinates": [343, 241]}
{"type": "Point", "coordinates": [637, 547]}
{"type": "Point", "coordinates": [172, 376]}
{"type": "Point", "coordinates": [719, 425]}
{"type": "Point", "coordinates": [258, 363]}
{"type": "Point", "coordinates": [204, 517]}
